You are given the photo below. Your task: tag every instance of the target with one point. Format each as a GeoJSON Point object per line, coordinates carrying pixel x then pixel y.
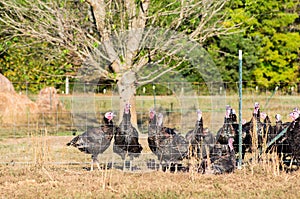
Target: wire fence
{"type": "Point", "coordinates": [173, 99]}
{"type": "Point", "coordinates": [40, 136]}
{"type": "Point", "coordinates": [163, 88]}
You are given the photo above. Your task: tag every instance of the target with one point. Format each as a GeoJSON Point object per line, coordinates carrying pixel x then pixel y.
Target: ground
{"type": "Point", "coordinates": [36, 165]}
{"type": "Point", "coordinates": [46, 177]}
{"type": "Point", "coordinates": [74, 182]}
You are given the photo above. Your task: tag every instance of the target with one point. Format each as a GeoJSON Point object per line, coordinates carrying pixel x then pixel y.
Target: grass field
{"type": "Point", "coordinates": [72, 182]}
{"type": "Point", "coordinates": [54, 170]}
{"type": "Point", "coordinates": [36, 163]}
{"type": "Point", "coordinates": [179, 111]}
{"type": "Point", "coordinates": [57, 171]}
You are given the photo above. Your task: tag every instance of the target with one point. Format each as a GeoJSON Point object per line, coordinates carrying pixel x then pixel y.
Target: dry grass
{"type": "Point", "coordinates": [39, 165]}
{"type": "Point", "coordinates": [49, 174]}
{"type": "Point", "coordinates": [73, 182]}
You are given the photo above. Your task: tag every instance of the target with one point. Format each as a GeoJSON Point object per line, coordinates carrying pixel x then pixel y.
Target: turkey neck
{"type": "Point", "coordinates": [126, 123]}
{"type": "Point", "coordinates": [152, 126]}
{"type": "Point", "coordinates": [199, 127]}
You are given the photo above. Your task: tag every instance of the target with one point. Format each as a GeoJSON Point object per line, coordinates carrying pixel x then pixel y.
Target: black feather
{"type": "Point", "coordinates": [126, 139]}
{"type": "Point", "coordinates": [96, 140]}
{"type": "Point", "coordinates": [165, 143]}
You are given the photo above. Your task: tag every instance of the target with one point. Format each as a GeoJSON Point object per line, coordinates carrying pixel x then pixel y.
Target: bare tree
{"type": "Point", "coordinates": [117, 39]}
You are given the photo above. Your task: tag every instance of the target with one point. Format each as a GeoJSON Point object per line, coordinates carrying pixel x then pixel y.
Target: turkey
{"type": "Point", "coordinates": [221, 164]}
{"type": "Point", "coordinates": [278, 124]}
{"type": "Point", "coordinates": [228, 135]}
{"type": "Point", "coordinates": [293, 136]}
{"type": "Point", "coordinates": [268, 133]}
{"type": "Point", "coordinates": [168, 146]}
{"type": "Point", "coordinates": [267, 127]}
{"type": "Point", "coordinates": [267, 130]}
{"type": "Point", "coordinates": [204, 148]}
{"type": "Point", "coordinates": [95, 141]}
{"type": "Point", "coordinates": [228, 132]}
{"type": "Point", "coordinates": [126, 138]}
{"type": "Point", "coordinates": [152, 128]}
{"type": "Point", "coordinates": [194, 136]}
{"type": "Point", "coordinates": [280, 145]}
{"type": "Point", "coordinates": [254, 131]}
{"type": "Point", "coordinates": [200, 139]}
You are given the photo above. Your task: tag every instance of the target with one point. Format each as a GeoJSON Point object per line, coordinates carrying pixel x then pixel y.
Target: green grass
{"type": "Point", "coordinates": [179, 111]}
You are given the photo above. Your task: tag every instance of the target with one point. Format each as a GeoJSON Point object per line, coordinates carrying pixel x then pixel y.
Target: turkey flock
{"type": "Point", "coordinates": [210, 153]}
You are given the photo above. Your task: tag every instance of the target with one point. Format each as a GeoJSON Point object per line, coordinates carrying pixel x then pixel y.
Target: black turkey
{"type": "Point", "coordinates": [280, 145]}
{"type": "Point", "coordinates": [220, 164]}
{"type": "Point", "coordinates": [267, 130]}
{"type": "Point", "coordinates": [194, 136]}
{"type": "Point", "coordinates": [205, 149]}
{"type": "Point", "coordinates": [200, 140]}
{"type": "Point", "coordinates": [168, 146]}
{"type": "Point", "coordinates": [268, 133]}
{"type": "Point", "coordinates": [153, 130]}
{"type": "Point", "coordinates": [279, 126]}
{"type": "Point", "coordinates": [227, 133]}
{"type": "Point", "coordinates": [293, 137]}
{"type": "Point", "coordinates": [126, 139]}
{"type": "Point", "coordinates": [95, 140]}
{"type": "Point", "coordinates": [254, 131]}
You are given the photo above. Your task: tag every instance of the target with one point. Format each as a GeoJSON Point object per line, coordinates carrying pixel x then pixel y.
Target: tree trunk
{"type": "Point", "coordinates": [127, 90]}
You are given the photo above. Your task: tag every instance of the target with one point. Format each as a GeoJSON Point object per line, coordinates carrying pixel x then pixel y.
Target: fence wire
{"type": "Point", "coordinates": [41, 137]}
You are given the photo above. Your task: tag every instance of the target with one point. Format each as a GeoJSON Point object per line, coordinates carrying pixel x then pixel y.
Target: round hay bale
{"type": "Point", "coordinates": [48, 101]}
{"type": "Point", "coordinates": [17, 109]}
{"type": "Point", "coordinates": [51, 109]}
{"type": "Point", "coordinates": [5, 85]}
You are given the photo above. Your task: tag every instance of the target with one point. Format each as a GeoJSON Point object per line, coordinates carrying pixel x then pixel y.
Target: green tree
{"type": "Point", "coordinates": [31, 69]}
{"type": "Point", "coordinates": [269, 38]}
{"type": "Point", "coordinates": [280, 44]}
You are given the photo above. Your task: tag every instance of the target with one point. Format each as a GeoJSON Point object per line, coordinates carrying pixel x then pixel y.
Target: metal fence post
{"type": "Point", "coordinates": [240, 110]}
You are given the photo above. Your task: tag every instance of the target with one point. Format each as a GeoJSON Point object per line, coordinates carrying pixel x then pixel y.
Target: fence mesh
{"type": "Point", "coordinates": [41, 137]}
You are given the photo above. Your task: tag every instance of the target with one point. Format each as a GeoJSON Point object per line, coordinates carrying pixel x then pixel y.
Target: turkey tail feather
{"type": "Point", "coordinates": [73, 141]}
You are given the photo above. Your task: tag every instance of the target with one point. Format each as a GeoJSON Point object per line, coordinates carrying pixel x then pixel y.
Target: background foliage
{"type": "Point", "coordinates": [269, 37]}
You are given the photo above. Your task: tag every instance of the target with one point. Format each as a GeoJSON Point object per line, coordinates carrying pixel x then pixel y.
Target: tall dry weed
{"type": "Point", "coordinates": [41, 147]}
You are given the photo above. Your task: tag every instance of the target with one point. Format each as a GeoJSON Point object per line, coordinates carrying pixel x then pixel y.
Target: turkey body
{"type": "Point", "coordinates": [293, 137]}
{"type": "Point", "coordinates": [283, 147]}
{"type": "Point", "coordinates": [153, 133]}
{"type": "Point", "coordinates": [171, 147]}
{"type": "Point", "coordinates": [96, 140]}
{"type": "Point", "coordinates": [126, 138]}
{"type": "Point", "coordinates": [168, 146]}
{"type": "Point", "coordinates": [201, 140]}
{"type": "Point", "coordinates": [228, 134]}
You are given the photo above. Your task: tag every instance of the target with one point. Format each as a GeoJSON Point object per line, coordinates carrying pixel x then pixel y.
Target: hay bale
{"type": "Point", "coordinates": [51, 109]}
{"type": "Point", "coordinates": [17, 109]}
{"type": "Point", "coordinates": [48, 101]}
{"type": "Point", "coordinates": [14, 108]}
{"type": "Point", "coordinates": [5, 85]}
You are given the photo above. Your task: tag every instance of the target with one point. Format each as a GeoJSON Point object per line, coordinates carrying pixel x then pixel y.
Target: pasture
{"type": "Point", "coordinates": [48, 178]}
{"type": "Point", "coordinates": [36, 163]}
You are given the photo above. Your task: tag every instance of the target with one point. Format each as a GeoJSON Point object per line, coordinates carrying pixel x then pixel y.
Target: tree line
{"type": "Point", "coordinates": [45, 41]}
